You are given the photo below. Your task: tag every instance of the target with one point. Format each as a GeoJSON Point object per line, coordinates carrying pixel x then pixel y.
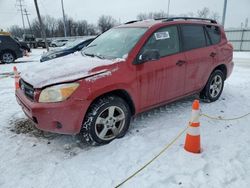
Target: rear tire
{"type": "Point", "coordinates": [214, 87]}
{"type": "Point", "coordinates": [107, 119]}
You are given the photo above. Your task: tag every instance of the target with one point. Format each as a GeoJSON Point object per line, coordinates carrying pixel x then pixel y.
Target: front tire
{"type": "Point", "coordinates": [214, 87]}
{"type": "Point", "coordinates": [107, 119]}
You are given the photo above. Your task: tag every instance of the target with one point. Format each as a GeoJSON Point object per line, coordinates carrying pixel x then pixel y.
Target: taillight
{"type": "Point", "coordinates": [231, 45]}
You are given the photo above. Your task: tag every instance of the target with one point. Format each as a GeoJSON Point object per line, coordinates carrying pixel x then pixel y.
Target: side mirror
{"type": "Point", "coordinates": [148, 55]}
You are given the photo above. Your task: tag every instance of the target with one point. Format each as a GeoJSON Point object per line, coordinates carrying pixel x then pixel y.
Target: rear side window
{"type": "Point", "coordinates": [7, 39]}
{"type": "Point", "coordinates": [193, 37]}
{"type": "Point", "coordinates": [214, 33]}
{"type": "Point", "coordinates": [166, 40]}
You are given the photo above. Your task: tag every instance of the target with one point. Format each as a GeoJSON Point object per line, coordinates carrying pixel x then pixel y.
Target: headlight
{"type": "Point", "coordinates": [57, 93]}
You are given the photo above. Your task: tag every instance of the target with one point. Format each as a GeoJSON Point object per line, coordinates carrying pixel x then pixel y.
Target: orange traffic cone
{"type": "Point", "coordinates": [17, 78]}
{"type": "Point", "coordinates": [192, 143]}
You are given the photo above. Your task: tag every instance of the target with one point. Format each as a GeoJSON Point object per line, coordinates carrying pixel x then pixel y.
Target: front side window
{"type": "Point", "coordinates": [214, 33]}
{"type": "Point", "coordinates": [115, 43]}
{"type": "Point", "coordinates": [193, 37]}
{"type": "Point", "coordinates": [165, 40]}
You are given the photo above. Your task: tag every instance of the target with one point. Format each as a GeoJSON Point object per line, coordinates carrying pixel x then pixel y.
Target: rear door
{"type": "Point", "coordinates": [199, 55]}
{"type": "Point", "coordinates": [214, 35]}
{"type": "Point", "coordinates": [163, 79]}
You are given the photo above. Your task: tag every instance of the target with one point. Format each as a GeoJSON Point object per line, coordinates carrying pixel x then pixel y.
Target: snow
{"type": "Point", "coordinates": [36, 159]}
{"type": "Point", "coordinates": [68, 68]}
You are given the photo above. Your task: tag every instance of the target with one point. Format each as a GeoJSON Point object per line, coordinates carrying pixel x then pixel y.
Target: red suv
{"type": "Point", "coordinates": [127, 70]}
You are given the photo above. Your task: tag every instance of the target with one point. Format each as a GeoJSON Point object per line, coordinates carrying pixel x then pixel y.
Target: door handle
{"type": "Point", "coordinates": [180, 62]}
{"type": "Point", "coordinates": [213, 54]}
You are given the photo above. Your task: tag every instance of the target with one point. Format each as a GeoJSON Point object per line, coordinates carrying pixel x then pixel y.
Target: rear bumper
{"type": "Point", "coordinates": [63, 117]}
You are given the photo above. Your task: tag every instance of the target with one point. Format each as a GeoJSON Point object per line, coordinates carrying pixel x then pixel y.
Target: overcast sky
{"type": "Point", "coordinates": [123, 10]}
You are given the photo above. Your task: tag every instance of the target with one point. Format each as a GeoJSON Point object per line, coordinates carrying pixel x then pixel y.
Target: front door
{"type": "Point", "coordinates": [163, 79]}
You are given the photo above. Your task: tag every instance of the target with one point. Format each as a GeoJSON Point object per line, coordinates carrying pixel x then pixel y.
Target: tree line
{"type": "Point", "coordinates": [203, 13]}
{"type": "Point", "coordinates": [55, 27]}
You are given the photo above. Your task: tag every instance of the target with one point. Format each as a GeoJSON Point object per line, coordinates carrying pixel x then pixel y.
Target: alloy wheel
{"type": "Point", "coordinates": [110, 123]}
{"type": "Point", "coordinates": [216, 86]}
{"type": "Point", "coordinates": [8, 58]}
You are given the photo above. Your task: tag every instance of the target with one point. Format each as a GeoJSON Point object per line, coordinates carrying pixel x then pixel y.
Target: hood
{"type": "Point", "coordinates": [64, 69]}
{"type": "Point", "coordinates": [54, 51]}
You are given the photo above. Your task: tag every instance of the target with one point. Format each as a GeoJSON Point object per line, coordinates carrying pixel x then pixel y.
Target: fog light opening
{"type": "Point", "coordinates": [58, 125]}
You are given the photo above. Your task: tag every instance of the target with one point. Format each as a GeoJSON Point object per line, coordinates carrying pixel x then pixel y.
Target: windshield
{"type": "Point", "coordinates": [115, 43]}
{"type": "Point", "coordinates": [72, 44]}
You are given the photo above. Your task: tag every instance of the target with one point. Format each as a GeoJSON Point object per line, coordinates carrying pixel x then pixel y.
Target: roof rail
{"type": "Point", "coordinates": [133, 21]}
{"type": "Point", "coordinates": [163, 18]}
{"type": "Point", "coordinates": [4, 33]}
{"type": "Point", "coordinates": [190, 18]}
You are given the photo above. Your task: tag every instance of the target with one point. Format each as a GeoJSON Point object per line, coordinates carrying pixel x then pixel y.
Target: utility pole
{"type": "Point", "coordinates": [41, 25]}
{"type": "Point", "coordinates": [246, 23]}
{"type": "Point", "coordinates": [64, 20]}
{"type": "Point", "coordinates": [27, 16]}
{"type": "Point", "coordinates": [168, 8]}
{"type": "Point", "coordinates": [20, 5]}
{"type": "Point", "coordinates": [224, 12]}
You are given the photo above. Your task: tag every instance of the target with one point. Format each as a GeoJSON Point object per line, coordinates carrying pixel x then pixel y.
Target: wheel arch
{"type": "Point", "coordinates": [120, 93]}
{"type": "Point", "coordinates": [8, 50]}
{"type": "Point", "coordinates": [222, 68]}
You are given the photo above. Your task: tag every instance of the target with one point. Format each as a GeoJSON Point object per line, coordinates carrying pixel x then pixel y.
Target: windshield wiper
{"type": "Point", "coordinates": [90, 46]}
{"type": "Point", "coordinates": [94, 55]}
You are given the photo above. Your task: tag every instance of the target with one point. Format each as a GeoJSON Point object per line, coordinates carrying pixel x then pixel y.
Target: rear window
{"type": "Point", "coordinates": [214, 33]}
{"type": "Point", "coordinates": [193, 37]}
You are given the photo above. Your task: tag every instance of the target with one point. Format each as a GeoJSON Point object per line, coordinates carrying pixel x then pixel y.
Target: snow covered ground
{"type": "Point", "coordinates": [31, 158]}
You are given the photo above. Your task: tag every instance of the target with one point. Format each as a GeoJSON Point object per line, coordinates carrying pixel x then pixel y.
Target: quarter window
{"type": "Point", "coordinates": [193, 37]}
{"type": "Point", "coordinates": [214, 33]}
{"type": "Point", "coordinates": [165, 40]}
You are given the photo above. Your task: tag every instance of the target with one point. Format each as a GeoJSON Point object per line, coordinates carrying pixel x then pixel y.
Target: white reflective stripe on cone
{"type": "Point", "coordinates": [195, 116]}
{"type": "Point", "coordinates": [193, 131]}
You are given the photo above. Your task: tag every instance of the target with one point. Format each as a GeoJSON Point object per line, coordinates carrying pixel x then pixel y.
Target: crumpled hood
{"type": "Point", "coordinates": [68, 68]}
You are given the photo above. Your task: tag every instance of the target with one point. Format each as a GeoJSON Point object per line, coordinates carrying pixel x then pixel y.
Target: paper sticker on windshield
{"type": "Point", "coordinates": [162, 35]}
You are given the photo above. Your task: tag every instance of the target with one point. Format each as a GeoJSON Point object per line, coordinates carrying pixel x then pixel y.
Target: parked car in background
{"type": "Point", "coordinates": [30, 39]}
{"type": "Point", "coordinates": [40, 43]}
{"type": "Point", "coordinates": [23, 44]}
{"type": "Point", "coordinates": [59, 42]}
{"type": "Point", "coordinates": [125, 71]}
{"type": "Point", "coordinates": [69, 48]}
{"type": "Point", "coordinates": [10, 49]}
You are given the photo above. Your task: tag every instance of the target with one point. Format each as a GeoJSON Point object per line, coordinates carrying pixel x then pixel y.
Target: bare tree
{"type": "Point", "coordinates": [142, 16]}
{"type": "Point", "coordinates": [50, 25]}
{"type": "Point", "coordinates": [215, 16]}
{"type": "Point", "coordinates": [106, 22]}
{"type": "Point", "coordinates": [16, 30]}
{"type": "Point", "coordinates": [92, 29]}
{"type": "Point", "coordinates": [206, 13]}
{"type": "Point", "coordinates": [35, 26]}
{"type": "Point", "coordinates": [82, 27]}
{"type": "Point", "coordinates": [152, 15]}
{"type": "Point", "coordinates": [203, 13]}
{"type": "Point", "coordinates": [160, 14]}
